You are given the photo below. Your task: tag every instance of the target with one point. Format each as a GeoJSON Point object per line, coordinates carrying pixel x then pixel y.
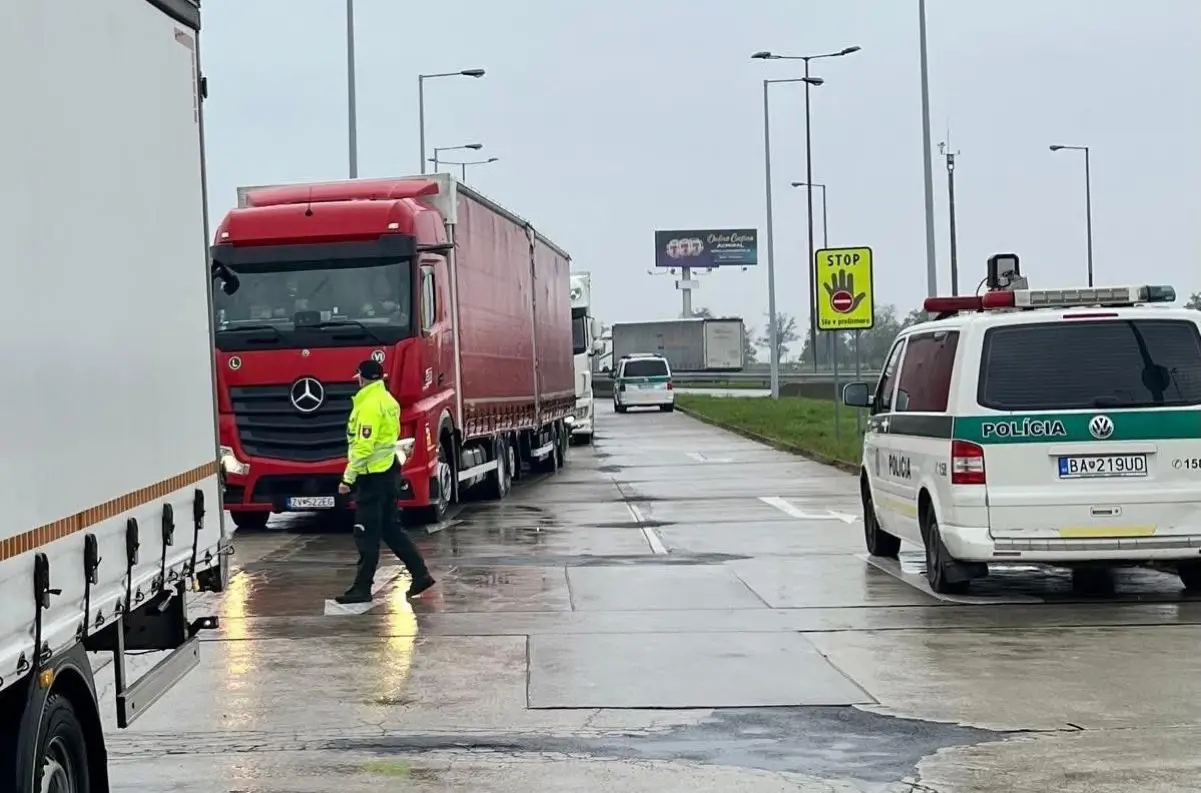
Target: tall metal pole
{"type": "Point", "coordinates": [1088, 208]}
{"type": "Point", "coordinates": [421, 119]}
{"type": "Point", "coordinates": [351, 102]}
{"type": "Point", "coordinates": [772, 334]}
{"type": "Point", "coordinates": [950, 156]}
{"type": "Point", "coordinates": [809, 200]}
{"type": "Point", "coordinates": [685, 277]}
{"type": "Point", "coordinates": [927, 157]}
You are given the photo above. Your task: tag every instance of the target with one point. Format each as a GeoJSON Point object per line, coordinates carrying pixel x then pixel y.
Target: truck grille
{"type": "Point", "coordinates": [270, 426]}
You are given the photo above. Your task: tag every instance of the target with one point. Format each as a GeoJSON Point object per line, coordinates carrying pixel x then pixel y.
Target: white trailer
{"type": "Point", "coordinates": [585, 345]}
{"type": "Point", "coordinates": [111, 489]}
{"type": "Point", "coordinates": [699, 344]}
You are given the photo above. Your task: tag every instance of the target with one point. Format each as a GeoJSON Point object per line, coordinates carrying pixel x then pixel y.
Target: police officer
{"type": "Point", "coordinates": [372, 470]}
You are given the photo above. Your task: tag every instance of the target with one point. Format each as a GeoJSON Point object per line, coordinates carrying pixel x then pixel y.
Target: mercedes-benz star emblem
{"type": "Point", "coordinates": [1101, 427]}
{"type": "Point", "coordinates": [307, 394]}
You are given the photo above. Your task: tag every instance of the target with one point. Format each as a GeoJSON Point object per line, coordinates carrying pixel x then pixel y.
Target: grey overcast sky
{"type": "Point", "coordinates": [614, 119]}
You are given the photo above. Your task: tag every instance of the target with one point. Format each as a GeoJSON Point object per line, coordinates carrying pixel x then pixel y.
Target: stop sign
{"type": "Point", "coordinates": [841, 301]}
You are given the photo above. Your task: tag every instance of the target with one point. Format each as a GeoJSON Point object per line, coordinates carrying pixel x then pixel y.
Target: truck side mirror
{"type": "Point", "coordinates": [856, 395]}
{"type": "Point", "coordinates": [229, 280]}
{"type": "Point", "coordinates": [598, 346]}
{"type": "Point", "coordinates": [598, 329]}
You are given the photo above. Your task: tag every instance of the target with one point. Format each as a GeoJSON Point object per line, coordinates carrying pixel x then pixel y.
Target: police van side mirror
{"type": "Point", "coordinates": [856, 395]}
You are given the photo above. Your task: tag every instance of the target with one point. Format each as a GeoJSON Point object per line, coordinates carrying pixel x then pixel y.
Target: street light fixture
{"type": "Point", "coordinates": [464, 147]}
{"type": "Point", "coordinates": [773, 340]}
{"type": "Point", "coordinates": [771, 56]}
{"type": "Point", "coordinates": [463, 165]}
{"type": "Point", "coordinates": [421, 78]}
{"type": "Point", "coordinates": [825, 226]}
{"type": "Point", "coordinates": [1088, 202]}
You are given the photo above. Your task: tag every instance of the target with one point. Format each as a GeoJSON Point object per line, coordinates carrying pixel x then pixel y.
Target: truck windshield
{"type": "Point", "coordinates": [316, 304]}
{"type": "Point", "coordinates": [1082, 365]}
{"type": "Point", "coordinates": [579, 335]}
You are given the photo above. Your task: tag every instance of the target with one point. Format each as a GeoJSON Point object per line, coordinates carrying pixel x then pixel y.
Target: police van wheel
{"type": "Point", "coordinates": [938, 560]}
{"type": "Point", "coordinates": [879, 542]}
{"type": "Point", "coordinates": [1190, 575]}
{"type": "Point", "coordinates": [1093, 581]}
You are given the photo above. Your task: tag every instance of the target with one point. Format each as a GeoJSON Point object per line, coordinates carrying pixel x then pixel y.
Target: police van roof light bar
{"type": "Point", "coordinates": [1086, 296]}
{"type": "Point", "coordinates": [952, 305]}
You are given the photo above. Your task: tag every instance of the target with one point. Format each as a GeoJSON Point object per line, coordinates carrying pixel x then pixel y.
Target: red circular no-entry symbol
{"type": "Point", "coordinates": [841, 301]}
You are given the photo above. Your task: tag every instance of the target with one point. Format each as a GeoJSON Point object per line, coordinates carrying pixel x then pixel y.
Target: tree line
{"type": "Point", "coordinates": [798, 353]}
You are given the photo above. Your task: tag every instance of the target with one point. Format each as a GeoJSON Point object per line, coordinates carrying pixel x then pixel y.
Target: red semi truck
{"type": "Point", "coordinates": [466, 306]}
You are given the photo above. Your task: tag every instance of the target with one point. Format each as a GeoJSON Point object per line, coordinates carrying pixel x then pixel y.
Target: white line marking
{"type": "Point", "coordinates": [652, 539]}
{"type": "Point", "coordinates": [648, 533]}
{"type": "Point", "coordinates": [383, 577]}
{"type": "Point", "coordinates": [701, 458]}
{"type": "Point", "coordinates": [792, 511]}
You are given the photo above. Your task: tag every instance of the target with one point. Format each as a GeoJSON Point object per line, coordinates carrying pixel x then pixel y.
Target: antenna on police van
{"type": "Point", "coordinates": [1005, 273]}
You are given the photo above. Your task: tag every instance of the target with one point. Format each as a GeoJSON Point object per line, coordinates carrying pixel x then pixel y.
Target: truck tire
{"type": "Point", "coordinates": [500, 481]}
{"type": "Point", "coordinates": [250, 521]}
{"type": "Point", "coordinates": [62, 750]}
{"type": "Point", "coordinates": [446, 472]}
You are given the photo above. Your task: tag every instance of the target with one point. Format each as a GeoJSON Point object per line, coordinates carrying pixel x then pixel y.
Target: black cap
{"type": "Point", "coordinates": [370, 370]}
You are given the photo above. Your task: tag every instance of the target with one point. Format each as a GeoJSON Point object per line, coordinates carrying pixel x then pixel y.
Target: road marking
{"type": "Point", "coordinates": [788, 509]}
{"type": "Point", "coordinates": [648, 532]}
{"type": "Point", "coordinates": [383, 577]}
{"type": "Point", "coordinates": [701, 458]}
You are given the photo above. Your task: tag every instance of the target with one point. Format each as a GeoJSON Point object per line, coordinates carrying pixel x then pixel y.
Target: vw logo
{"type": "Point", "coordinates": [307, 394]}
{"type": "Point", "coordinates": [1101, 427]}
{"type": "Point", "coordinates": [378, 356]}
{"type": "Point", "coordinates": [576, 293]}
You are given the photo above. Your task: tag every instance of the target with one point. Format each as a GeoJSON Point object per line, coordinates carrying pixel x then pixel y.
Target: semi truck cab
{"type": "Point", "coordinates": [317, 278]}
{"type": "Point", "coordinates": [585, 345]}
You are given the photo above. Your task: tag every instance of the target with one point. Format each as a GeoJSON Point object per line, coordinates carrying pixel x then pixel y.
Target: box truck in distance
{"type": "Point", "coordinates": [110, 483]}
{"type": "Point", "coordinates": [464, 304]}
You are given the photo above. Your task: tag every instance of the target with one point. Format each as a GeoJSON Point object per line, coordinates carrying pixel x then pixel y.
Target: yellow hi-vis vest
{"type": "Point", "coordinates": [371, 432]}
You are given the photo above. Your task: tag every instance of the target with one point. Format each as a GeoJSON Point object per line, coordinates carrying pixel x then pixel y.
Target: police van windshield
{"type": "Point", "coordinates": [645, 367]}
{"type": "Point", "coordinates": [311, 302]}
{"type": "Point", "coordinates": [1088, 364]}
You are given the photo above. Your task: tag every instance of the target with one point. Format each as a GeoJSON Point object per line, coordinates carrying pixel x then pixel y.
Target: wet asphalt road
{"type": "Point", "coordinates": [679, 609]}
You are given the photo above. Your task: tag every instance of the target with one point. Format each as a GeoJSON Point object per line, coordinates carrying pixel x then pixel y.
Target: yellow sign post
{"type": "Point", "coordinates": [845, 300]}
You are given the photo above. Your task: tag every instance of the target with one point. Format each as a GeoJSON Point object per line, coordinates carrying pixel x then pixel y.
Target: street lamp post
{"type": "Point", "coordinates": [809, 81]}
{"type": "Point", "coordinates": [351, 100]}
{"type": "Point", "coordinates": [421, 78]}
{"type": "Point", "coordinates": [773, 335]}
{"type": "Point", "coordinates": [927, 156]}
{"type": "Point", "coordinates": [464, 147]}
{"type": "Point", "coordinates": [1088, 203]}
{"type": "Point", "coordinates": [825, 225]}
{"type": "Point", "coordinates": [463, 165]}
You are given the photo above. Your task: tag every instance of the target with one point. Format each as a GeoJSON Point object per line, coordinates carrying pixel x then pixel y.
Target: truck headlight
{"type": "Point", "coordinates": [231, 464]}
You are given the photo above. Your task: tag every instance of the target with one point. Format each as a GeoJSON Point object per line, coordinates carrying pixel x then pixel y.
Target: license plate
{"type": "Point", "coordinates": [1102, 466]}
{"type": "Point", "coordinates": [311, 502]}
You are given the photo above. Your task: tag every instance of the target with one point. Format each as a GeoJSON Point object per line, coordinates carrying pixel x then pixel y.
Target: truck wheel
{"type": "Point", "coordinates": [250, 521]}
{"type": "Point", "coordinates": [563, 443]}
{"type": "Point", "coordinates": [445, 473]}
{"type": "Point", "coordinates": [62, 750]}
{"type": "Point", "coordinates": [501, 480]}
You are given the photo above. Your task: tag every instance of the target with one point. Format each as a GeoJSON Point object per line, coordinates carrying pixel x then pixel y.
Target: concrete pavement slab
{"type": "Point", "coordinates": [682, 670]}
{"type": "Point", "coordinates": [784, 538]}
{"type": "Point", "coordinates": [825, 581]}
{"type": "Point", "coordinates": [649, 588]}
{"type": "Point", "coordinates": [1112, 678]}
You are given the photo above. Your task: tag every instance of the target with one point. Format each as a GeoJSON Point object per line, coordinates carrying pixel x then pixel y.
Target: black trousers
{"type": "Point", "coordinates": [377, 518]}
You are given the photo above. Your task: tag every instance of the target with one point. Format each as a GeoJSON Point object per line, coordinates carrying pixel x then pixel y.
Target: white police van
{"type": "Point", "coordinates": [1053, 426]}
{"type": "Point", "coordinates": [643, 380]}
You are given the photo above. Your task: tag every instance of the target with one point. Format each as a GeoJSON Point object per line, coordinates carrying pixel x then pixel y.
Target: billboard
{"type": "Point", "coordinates": [707, 248]}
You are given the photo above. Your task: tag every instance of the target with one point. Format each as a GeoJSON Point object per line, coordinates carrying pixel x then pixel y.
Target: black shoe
{"type": "Point", "coordinates": [421, 584]}
{"type": "Point", "coordinates": [353, 596]}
